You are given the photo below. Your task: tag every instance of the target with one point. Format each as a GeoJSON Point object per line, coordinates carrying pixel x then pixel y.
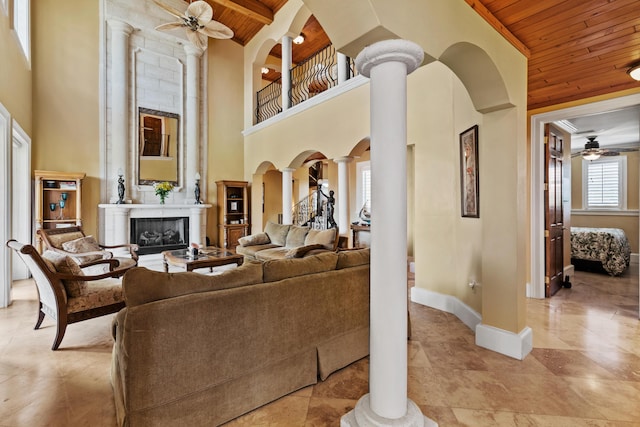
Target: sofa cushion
{"type": "Point", "coordinates": [65, 265]}
{"type": "Point", "coordinates": [254, 239]}
{"type": "Point", "coordinates": [353, 258]}
{"type": "Point", "coordinates": [301, 251]}
{"type": "Point", "coordinates": [296, 236]}
{"type": "Point", "coordinates": [57, 240]}
{"type": "Point", "coordinates": [85, 244]}
{"type": "Point", "coordinates": [327, 238]}
{"type": "Point", "coordinates": [277, 233]}
{"type": "Point", "coordinates": [279, 269]}
{"type": "Point", "coordinates": [141, 285]}
{"type": "Point", "coordinates": [268, 254]}
{"type": "Point", "coordinates": [251, 251]}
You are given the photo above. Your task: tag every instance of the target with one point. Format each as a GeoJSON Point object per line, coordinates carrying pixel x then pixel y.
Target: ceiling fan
{"type": "Point", "coordinates": [198, 23]}
{"type": "Point", "coordinates": [592, 150]}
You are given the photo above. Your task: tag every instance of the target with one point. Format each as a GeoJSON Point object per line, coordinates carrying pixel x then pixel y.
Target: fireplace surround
{"type": "Point", "coordinates": [116, 224]}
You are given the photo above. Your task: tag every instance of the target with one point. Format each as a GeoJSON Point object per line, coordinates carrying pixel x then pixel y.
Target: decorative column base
{"type": "Point", "coordinates": [362, 415]}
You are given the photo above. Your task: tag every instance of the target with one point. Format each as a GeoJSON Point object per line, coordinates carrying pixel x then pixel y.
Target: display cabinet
{"type": "Point", "coordinates": [58, 199]}
{"type": "Point", "coordinates": [233, 212]}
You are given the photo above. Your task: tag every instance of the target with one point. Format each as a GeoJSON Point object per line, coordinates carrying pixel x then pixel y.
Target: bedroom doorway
{"type": "Point", "coordinates": [536, 288]}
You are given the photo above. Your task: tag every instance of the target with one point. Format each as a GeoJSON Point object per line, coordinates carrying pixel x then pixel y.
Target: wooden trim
{"type": "Point", "coordinates": [499, 26]}
{"type": "Point", "coordinates": [249, 8]}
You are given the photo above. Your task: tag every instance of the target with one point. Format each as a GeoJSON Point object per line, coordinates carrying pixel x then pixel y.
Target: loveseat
{"type": "Point", "coordinates": [199, 350]}
{"type": "Point", "coordinates": [287, 241]}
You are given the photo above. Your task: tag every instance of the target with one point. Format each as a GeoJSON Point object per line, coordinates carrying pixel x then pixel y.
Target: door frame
{"type": "Point", "coordinates": [536, 287]}
{"type": "Point", "coordinates": [21, 197]}
{"type": "Point", "coordinates": [5, 199]}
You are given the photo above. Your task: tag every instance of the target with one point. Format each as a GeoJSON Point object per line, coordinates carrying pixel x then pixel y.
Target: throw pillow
{"type": "Point", "coordinates": [85, 244]}
{"type": "Point", "coordinates": [254, 239]}
{"type": "Point", "coordinates": [296, 236]}
{"type": "Point", "coordinates": [301, 251]}
{"type": "Point", "coordinates": [65, 265]}
{"type": "Point", "coordinates": [326, 238]}
{"type": "Point", "coordinates": [277, 233]}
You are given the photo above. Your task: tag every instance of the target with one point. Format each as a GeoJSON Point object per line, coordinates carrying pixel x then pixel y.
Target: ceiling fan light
{"type": "Point", "coordinates": [591, 156]}
{"type": "Point", "coordinates": [265, 70]}
{"type": "Point", "coordinates": [299, 39]}
{"type": "Point", "coordinates": [634, 72]}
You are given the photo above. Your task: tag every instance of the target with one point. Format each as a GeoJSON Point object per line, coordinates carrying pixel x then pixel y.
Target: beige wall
{"type": "Point", "coordinates": [15, 77]}
{"type": "Point", "coordinates": [225, 150]}
{"type": "Point", "coordinates": [66, 94]}
{"type": "Point", "coordinates": [629, 221]}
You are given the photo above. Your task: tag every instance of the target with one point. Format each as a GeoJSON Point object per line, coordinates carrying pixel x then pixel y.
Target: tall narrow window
{"type": "Point", "coordinates": [21, 25]}
{"type": "Point", "coordinates": [363, 186]}
{"type": "Point", "coordinates": [604, 183]}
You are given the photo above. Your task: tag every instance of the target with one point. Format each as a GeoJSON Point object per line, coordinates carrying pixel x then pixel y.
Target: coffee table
{"type": "Point", "coordinates": [209, 256]}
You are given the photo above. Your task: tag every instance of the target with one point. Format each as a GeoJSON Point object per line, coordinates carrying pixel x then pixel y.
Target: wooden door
{"type": "Point", "coordinates": [554, 225]}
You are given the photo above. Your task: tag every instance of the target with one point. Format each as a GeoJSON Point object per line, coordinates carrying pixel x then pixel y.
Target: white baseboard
{"type": "Point", "coordinates": [568, 270]}
{"type": "Point", "coordinates": [634, 259]}
{"type": "Point", "coordinates": [505, 342]}
{"type": "Point", "coordinates": [489, 337]}
{"type": "Point", "coordinates": [447, 303]}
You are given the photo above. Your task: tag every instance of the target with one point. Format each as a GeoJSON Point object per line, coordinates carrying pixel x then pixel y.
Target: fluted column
{"type": "Point", "coordinates": [343, 194]}
{"type": "Point", "coordinates": [343, 76]}
{"type": "Point", "coordinates": [192, 112]}
{"type": "Point", "coordinates": [119, 150]}
{"type": "Point", "coordinates": [387, 64]}
{"type": "Point", "coordinates": [287, 195]}
{"type": "Point", "coordinates": [286, 75]}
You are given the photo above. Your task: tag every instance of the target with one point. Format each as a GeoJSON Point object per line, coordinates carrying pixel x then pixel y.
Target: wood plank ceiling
{"type": "Point", "coordinates": [576, 48]}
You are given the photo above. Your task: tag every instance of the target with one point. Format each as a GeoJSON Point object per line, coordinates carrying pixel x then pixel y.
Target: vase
{"type": "Point", "coordinates": [162, 197]}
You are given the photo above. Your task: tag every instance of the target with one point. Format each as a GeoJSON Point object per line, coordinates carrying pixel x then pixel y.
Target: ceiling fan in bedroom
{"type": "Point", "coordinates": [592, 150]}
{"type": "Point", "coordinates": [198, 23]}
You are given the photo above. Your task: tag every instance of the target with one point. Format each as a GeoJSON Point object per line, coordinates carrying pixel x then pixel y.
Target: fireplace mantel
{"type": "Point", "coordinates": [116, 219]}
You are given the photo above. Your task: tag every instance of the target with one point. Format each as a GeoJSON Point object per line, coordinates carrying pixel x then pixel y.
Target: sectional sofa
{"type": "Point", "coordinates": [198, 350]}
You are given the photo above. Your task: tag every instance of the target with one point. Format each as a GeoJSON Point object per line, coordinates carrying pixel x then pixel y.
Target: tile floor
{"type": "Point", "coordinates": [584, 369]}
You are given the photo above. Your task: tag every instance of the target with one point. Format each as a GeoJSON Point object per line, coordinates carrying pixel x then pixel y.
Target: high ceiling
{"type": "Point", "coordinates": [577, 48]}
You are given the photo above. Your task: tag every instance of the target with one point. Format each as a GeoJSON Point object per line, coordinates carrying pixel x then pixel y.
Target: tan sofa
{"type": "Point", "coordinates": [287, 241]}
{"type": "Point", "coordinates": [200, 350]}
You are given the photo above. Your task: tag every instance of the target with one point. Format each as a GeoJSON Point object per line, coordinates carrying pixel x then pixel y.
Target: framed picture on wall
{"type": "Point", "coordinates": [469, 177]}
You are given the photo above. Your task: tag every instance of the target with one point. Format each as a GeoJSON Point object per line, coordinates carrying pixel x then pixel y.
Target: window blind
{"type": "Point", "coordinates": [603, 190]}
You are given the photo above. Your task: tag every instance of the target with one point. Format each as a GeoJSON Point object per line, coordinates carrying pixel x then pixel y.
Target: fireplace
{"type": "Point", "coordinates": [154, 235]}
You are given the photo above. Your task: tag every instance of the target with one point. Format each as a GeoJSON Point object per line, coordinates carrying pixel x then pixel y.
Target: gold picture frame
{"type": "Point", "coordinates": [469, 173]}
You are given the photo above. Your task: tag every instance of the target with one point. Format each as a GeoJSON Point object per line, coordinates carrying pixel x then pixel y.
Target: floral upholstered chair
{"type": "Point", "coordinates": [85, 251]}
{"type": "Point", "coordinates": [65, 293]}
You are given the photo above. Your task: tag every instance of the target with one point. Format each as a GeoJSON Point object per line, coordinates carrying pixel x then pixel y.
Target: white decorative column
{"type": "Point", "coordinates": [196, 228]}
{"type": "Point", "coordinates": [120, 234]}
{"type": "Point", "coordinates": [387, 64]}
{"type": "Point", "coordinates": [343, 194]}
{"type": "Point", "coordinates": [342, 68]}
{"type": "Point", "coordinates": [286, 75]}
{"type": "Point", "coordinates": [119, 152]}
{"type": "Point", "coordinates": [287, 195]}
{"type": "Point", "coordinates": [192, 113]}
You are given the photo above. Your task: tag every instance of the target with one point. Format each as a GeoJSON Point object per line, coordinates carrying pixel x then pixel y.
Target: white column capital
{"type": "Point", "coordinates": [288, 170]}
{"type": "Point", "coordinates": [192, 50]}
{"type": "Point", "coordinates": [409, 53]}
{"type": "Point", "coordinates": [120, 26]}
{"type": "Point", "coordinates": [344, 159]}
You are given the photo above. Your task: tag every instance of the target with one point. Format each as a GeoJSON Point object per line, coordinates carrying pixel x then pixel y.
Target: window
{"type": "Point", "coordinates": [604, 183]}
{"type": "Point", "coordinates": [21, 23]}
{"type": "Point", "coordinates": [363, 186]}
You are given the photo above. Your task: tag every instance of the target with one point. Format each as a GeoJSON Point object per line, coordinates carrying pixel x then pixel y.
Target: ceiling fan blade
{"type": "Point", "coordinates": [625, 150]}
{"type": "Point", "coordinates": [200, 10]}
{"type": "Point", "coordinates": [216, 30]}
{"type": "Point", "coordinates": [197, 38]}
{"type": "Point", "coordinates": [169, 26]}
{"type": "Point", "coordinates": [608, 153]}
{"type": "Point", "coordinates": [169, 9]}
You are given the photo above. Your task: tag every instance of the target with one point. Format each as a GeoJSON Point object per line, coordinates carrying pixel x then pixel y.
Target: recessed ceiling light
{"type": "Point", "coordinates": [634, 72]}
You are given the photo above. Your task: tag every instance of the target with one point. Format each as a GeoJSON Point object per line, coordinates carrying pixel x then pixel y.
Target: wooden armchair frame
{"type": "Point", "coordinates": [47, 234]}
{"type": "Point", "coordinates": [52, 294]}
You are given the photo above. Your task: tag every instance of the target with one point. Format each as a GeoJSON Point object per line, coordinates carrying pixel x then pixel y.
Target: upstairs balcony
{"type": "Point", "coordinates": [318, 73]}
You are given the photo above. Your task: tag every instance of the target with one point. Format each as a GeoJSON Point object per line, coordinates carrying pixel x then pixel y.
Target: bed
{"type": "Point", "coordinates": [608, 246]}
